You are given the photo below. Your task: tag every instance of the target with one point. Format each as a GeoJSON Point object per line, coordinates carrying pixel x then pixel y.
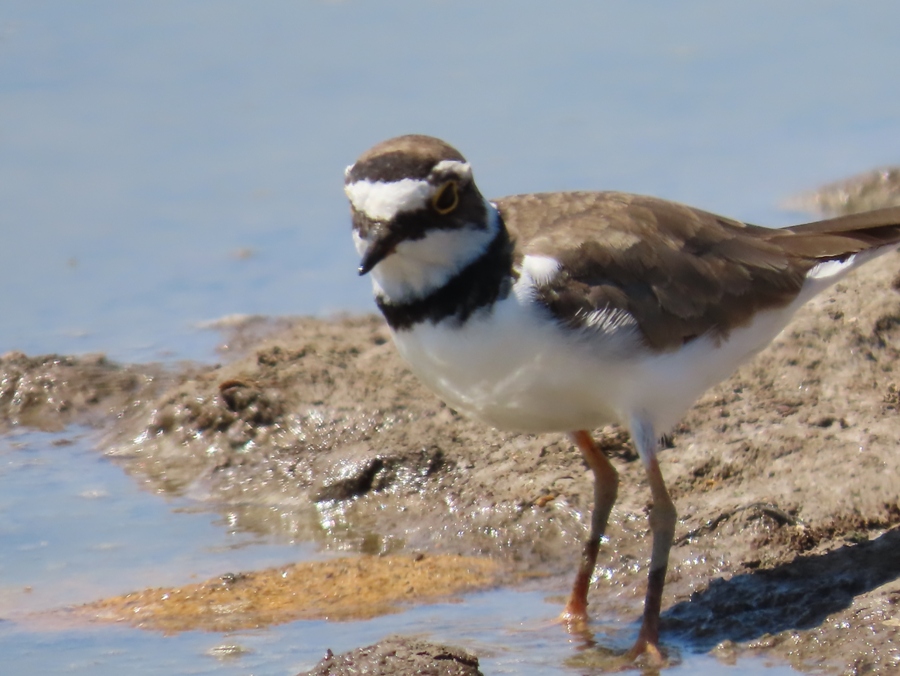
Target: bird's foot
{"type": "Point", "coordinates": [575, 617]}
{"type": "Point", "coordinates": [647, 653]}
{"type": "Point", "coordinates": [644, 654]}
{"type": "Point", "coordinates": [574, 624]}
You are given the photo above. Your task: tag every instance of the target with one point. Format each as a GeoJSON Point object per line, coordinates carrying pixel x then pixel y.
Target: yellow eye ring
{"type": "Point", "coordinates": [446, 199]}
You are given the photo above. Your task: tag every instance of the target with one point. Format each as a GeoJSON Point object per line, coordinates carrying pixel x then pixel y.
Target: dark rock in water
{"type": "Point", "coordinates": [399, 656]}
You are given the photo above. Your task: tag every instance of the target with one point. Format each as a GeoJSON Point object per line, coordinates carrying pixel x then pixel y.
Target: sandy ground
{"type": "Point", "coordinates": [786, 476]}
{"type": "Point", "coordinates": [338, 590]}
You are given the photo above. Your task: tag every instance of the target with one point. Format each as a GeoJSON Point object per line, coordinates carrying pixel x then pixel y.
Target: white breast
{"type": "Point", "coordinates": [507, 367]}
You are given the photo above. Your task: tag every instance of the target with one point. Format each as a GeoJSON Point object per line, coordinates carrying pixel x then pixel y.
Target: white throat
{"type": "Point", "coordinates": [420, 266]}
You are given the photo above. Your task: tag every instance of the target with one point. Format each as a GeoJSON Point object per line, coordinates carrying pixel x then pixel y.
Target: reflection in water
{"type": "Point", "coordinates": [76, 528]}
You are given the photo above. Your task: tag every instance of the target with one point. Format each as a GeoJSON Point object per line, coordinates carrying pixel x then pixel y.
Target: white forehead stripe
{"type": "Point", "coordinates": [461, 169]}
{"type": "Point", "coordinates": [382, 201]}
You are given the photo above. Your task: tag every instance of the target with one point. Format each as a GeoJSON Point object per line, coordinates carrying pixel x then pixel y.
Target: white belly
{"type": "Point", "coordinates": [510, 369]}
{"type": "Point", "coordinates": [514, 369]}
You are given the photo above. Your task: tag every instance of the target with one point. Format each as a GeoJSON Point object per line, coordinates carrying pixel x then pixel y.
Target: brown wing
{"type": "Point", "coordinates": [680, 272]}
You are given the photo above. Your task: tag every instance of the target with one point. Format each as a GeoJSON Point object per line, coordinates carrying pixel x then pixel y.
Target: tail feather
{"type": "Point", "coordinates": [838, 238]}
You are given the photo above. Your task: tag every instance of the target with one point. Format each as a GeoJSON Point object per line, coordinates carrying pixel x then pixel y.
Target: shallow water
{"type": "Point", "coordinates": [61, 547]}
{"type": "Point", "coordinates": [169, 163]}
{"type": "Point", "coordinates": [75, 528]}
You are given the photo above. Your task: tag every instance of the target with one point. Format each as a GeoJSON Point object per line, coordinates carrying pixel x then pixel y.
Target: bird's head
{"type": "Point", "coordinates": [418, 217]}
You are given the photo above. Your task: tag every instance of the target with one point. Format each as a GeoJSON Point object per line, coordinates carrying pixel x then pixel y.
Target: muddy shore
{"type": "Point", "coordinates": [786, 476]}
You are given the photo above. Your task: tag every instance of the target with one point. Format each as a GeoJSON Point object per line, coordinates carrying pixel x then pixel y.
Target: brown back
{"type": "Point", "coordinates": [680, 272]}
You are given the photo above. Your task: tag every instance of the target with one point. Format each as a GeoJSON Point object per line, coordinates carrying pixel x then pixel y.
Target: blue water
{"type": "Point", "coordinates": [486, 623]}
{"type": "Point", "coordinates": [74, 527]}
{"type": "Point", "coordinates": [171, 162]}
{"type": "Point", "coordinates": [167, 163]}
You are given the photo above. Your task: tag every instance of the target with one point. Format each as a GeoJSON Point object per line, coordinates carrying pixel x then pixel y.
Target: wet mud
{"type": "Point", "coordinates": [399, 655]}
{"type": "Point", "coordinates": [786, 477]}
{"type": "Point", "coordinates": [49, 392]}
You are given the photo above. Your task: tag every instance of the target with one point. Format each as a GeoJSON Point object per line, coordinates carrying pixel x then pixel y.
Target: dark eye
{"type": "Point", "coordinates": [446, 199]}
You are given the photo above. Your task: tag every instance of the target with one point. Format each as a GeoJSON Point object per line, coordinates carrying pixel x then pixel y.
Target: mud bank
{"type": "Point", "coordinates": [786, 477]}
{"type": "Point", "coordinates": [49, 392]}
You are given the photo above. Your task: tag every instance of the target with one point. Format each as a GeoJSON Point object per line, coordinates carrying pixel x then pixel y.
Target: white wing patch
{"type": "Point", "coordinates": [608, 320]}
{"type": "Point", "coordinates": [615, 323]}
{"type": "Point", "coordinates": [534, 271]}
{"type": "Point", "coordinates": [828, 269]}
{"type": "Point", "coordinates": [540, 269]}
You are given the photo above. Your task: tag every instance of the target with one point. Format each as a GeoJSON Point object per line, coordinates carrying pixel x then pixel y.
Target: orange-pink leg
{"type": "Point", "coordinates": [606, 486]}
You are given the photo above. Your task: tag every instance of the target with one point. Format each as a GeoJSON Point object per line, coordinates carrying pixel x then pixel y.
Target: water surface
{"type": "Point", "coordinates": [167, 163]}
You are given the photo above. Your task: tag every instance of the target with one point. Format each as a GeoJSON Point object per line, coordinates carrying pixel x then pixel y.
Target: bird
{"type": "Point", "coordinates": [567, 311]}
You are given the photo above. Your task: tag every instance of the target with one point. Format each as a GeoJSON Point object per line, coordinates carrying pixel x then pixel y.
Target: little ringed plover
{"type": "Point", "coordinates": [571, 310]}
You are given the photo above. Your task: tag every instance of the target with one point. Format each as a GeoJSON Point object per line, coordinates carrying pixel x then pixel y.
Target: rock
{"type": "Point", "coordinates": [399, 656]}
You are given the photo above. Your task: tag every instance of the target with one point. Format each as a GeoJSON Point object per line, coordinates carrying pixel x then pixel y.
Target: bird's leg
{"type": "Point", "coordinates": [606, 486]}
{"type": "Point", "coordinates": [662, 526]}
